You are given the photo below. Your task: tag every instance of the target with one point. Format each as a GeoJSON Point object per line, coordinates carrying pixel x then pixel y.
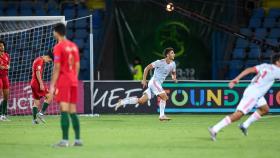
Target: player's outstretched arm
{"type": "Point", "coordinates": [146, 70]}
{"type": "Point", "coordinates": [173, 75]}
{"type": "Point", "coordinates": [241, 75]}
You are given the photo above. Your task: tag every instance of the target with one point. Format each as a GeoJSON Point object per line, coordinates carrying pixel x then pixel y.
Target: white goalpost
{"type": "Point", "coordinates": [26, 38]}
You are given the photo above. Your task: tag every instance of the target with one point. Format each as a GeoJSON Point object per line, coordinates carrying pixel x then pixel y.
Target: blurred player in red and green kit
{"type": "Point", "coordinates": [64, 83]}
{"type": "Point", "coordinates": [38, 88]}
{"type": "Point", "coordinates": [4, 80]}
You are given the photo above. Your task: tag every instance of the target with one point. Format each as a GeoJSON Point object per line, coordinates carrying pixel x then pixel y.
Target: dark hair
{"type": "Point", "coordinates": [2, 41]}
{"type": "Point", "coordinates": [275, 58]}
{"type": "Point", "coordinates": [50, 54]}
{"type": "Point", "coordinates": [167, 50]}
{"type": "Point", "coordinates": [60, 28]}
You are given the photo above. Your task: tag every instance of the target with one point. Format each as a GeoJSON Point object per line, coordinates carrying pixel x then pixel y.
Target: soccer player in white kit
{"type": "Point", "coordinates": [253, 96]}
{"type": "Point", "coordinates": [162, 68]}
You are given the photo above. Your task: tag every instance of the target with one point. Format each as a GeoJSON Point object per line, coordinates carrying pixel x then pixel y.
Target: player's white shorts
{"type": "Point", "coordinates": [251, 98]}
{"type": "Point", "coordinates": [154, 88]}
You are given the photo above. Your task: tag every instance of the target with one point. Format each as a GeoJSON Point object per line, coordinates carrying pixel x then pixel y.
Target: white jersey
{"type": "Point", "coordinates": [162, 69]}
{"type": "Point", "coordinates": [266, 75]}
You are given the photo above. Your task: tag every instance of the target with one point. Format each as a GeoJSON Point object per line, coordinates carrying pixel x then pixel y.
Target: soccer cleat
{"type": "Point", "coordinates": [4, 118]}
{"type": "Point", "coordinates": [164, 118]}
{"type": "Point", "coordinates": [35, 122]}
{"type": "Point", "coordinates": [62, 144]}
{"type": "Point", "coordinates": [243, 129]}
{"type": "Point", "coordinates": [212, 134]}
{"type": "Point", "coordinates": [41, 117]}
{"type": "Point", "coordinates": [78, 143]}
{"type": "Point", "coordinates": [119, 104]}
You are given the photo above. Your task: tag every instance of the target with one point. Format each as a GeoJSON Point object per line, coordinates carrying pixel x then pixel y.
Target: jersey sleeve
{"type": "Point", "coordinates": [259, 67]}
{"type": "Point", "coordinates": [37, 66]}
{"type": "Point", "coordinates": [156, 63]}
{"type": "Point", "coordinates": [57, 54]}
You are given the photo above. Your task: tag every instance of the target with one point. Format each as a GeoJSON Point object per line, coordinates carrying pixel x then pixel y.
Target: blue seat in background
{"type": "Point", "coordinates": [68, 6]}
{"type": "Point", "coordinates": [267, 54]}
{"type": "Point", "coordinates": [12, 12]}
{"type": "Point", "coordinates": [274, 33]}
{"type": "Point", "coordinates": [2, 12]}
{"type": "Point", "coordinates": [83, 12]}
{"type": "Point", "coordinates": [274, 12]}
{"type": "Point", "coordinates": [272, 41]}
{"type": "Point", "coordinates": [235, 67]}
{"type": "Point", "coordinates": [258, 13]}
{"type": "Point", "coordinates": [238, 53]}
{"type": "Point", "coordinates": [260, 33]}
{"type": "Point", "coordinates": [84, 64]}
{"type": "Point", "coordinates": [255, 23]}
{"type": "Point", "coordinates": [253, 45]}
{"type": "Point", "coordinates": [81, 33]}
{"type": "Point", "coordinates": [38, 5]}
{"type": "Point", "coordinates": [269, 23]}
{"type": "Point", "coordinates": [69, 33]}
{"type": "Point", "coordinates": [80, 42]}
{"type": "Point", "coordinates": [69, 13]}
{"type": "Point", "coordinates": [40, 12]}
{"type": "Point", "coordinates": [54, 12]}
{"type": "Point", "coordinates": [25, 5]}
{"type": "Point", "coordinates": [241, 43]}
{"type": "Point", "coordinates": [81, 24]}
{"type": "Point", "coordinates": [2, 5]}
{"type": "Point", "coordinates": [246, 31]}
{"type": "Point", "coordinates": [97, 19]}
{"type": "Point", "coordinates": [254, 53]}
{"type": "Point", "coordinates": [26, 12]}
{"type": "Point", "coordinates": [251, 63]}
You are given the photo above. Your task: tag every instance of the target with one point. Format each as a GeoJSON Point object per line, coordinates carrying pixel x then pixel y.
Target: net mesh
{"type": "Point", "coordinates": [26, 40]}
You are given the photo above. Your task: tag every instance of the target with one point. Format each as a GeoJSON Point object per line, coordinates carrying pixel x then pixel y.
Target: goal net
{"type": "Point", "coordinates": [27, 38]}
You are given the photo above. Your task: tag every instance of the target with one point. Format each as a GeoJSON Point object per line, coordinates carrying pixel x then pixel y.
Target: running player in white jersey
{"type": "Point", "coordinates": [162, 68]}
{"type": "Point", "coordinates": [253, 95]}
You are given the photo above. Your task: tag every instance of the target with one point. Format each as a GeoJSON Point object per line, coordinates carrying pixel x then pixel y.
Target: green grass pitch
{"type": "Point", "coordinates": [140, 136]}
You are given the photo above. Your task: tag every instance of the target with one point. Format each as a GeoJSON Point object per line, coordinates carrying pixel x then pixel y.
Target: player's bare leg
{"type": "Point", "coordinates": [64, 122]}
{"type": "Point", "coordinates": [254, 117]}
{"type": "Point", "coordinates": [75, 125]}
{"type": "Point", "coordinates": [132, 100]}
{"type": "Point", "coordinates": [162, 104]}
{"type": "Point", "coordinates": [5, 105]}
{"type": "Point", "coordinates": [223, 123]}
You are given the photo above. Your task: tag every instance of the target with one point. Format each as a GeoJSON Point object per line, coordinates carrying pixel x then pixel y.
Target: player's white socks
{"type": "Point", "coordinates": [131, 100]}
{"type": "Point", "coordinates": [223, 123]}
{"type": "Point", "coordinates": [254, 117]}
{"type": "Point", "coordinates": [162, 104]}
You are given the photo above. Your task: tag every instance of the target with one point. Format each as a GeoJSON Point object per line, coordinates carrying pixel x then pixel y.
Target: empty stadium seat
{"type": "Point", "coordinates": [70, 33]}
{"type": "Point", "coordinates": [53, 12]}
{"type": "Point", "coordinates": [241, 43]}
{"type": "Point", "coordinates": [250, 63]}
{"type": "Point", "coordinates": [260, 33]}
{"type": "Point", "coordinates": [79, 42]}
{"type": "Point", "coordinates": [255, 23]}
{"type": "Point", "coordinates": [26, 12]}
{"type": "Point", "coordinates": [254, 53]}
{"type": "Point", "coordinates": [83, 12]}
{"type": "Point", "coordinates": [12, 12]}
{"type": "Point", "coordinates": [258, 13]}
{"type": "Point", "coordinates": [274, 33]}
{"type": "Point", "coordinates": [81, 24]}
{"type": "Point", "coordinates": [25, 5]}
{"type": "Point", "coordinates": [40, 12]}
{"type": "Point", "coordinates": [81, 33]}
{"type": "Point", "coordinates": [246, 31]}
{"type": "Point", "coordinates": [269, 22]}
{"type": "Point", "coordinates": [274, 12]}
{"type": "Point", "coordinates": [267, 54]}
{"type": "Point", "coordinates": [69, 13]}
{"type": "Point", "coordinates": [238, 54]}
{"type": "Point", "coordinates": [272, 41]}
